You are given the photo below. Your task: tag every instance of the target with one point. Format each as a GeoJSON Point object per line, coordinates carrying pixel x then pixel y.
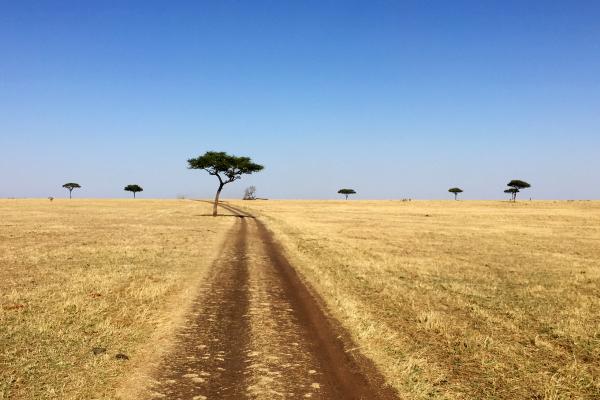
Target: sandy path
{"type": "Point", "coordinates": [258, 333]}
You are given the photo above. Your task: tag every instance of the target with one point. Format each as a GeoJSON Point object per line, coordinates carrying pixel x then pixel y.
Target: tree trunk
{"type": "Point", "coordinates": [134, 195]}
{"type": "Point", "coordinates": [346, 197]}
{"type": "Point", "coordinates": [70, 193]}
{"type": "Point", "coordinates": [217, 200]}
{"type": "Point", "coordinates": [455, 194]}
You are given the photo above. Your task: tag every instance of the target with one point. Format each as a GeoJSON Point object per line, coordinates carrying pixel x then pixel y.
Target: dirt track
{"type": "Point", "coordinates": [258, 333]}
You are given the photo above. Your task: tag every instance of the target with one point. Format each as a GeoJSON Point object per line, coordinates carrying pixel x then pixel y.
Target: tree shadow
{"type": "Point", "coordinates": [224, 215]}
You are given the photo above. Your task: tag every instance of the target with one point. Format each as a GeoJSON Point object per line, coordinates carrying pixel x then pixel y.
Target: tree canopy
{"type": "Point", "coordinates": [455, 191]}
{"type": "Point", "coordinates": [71, 185]}
{"type": "Point", "coordinates": [518, 184]}
{"type": "Point", "coordinates": [227, 168]}
{"type": "Point", "coordinates": [346, 192]}
{"type": "Point", "coordinates": [223, 165]}
{"type": "Point", "coordinates": [134, 189]}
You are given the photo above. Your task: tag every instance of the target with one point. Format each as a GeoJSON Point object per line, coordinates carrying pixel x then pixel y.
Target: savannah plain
{"type": "Point", "coordinates": [449, 299]}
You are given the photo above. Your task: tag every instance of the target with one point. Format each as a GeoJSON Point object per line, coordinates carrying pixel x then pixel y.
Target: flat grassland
{"type": "Point", "coordinates": [83, 274]}
{"type": "Point", "coordinates": [451, 300]}
{"type": "Point", "coordinates": [457, 300]}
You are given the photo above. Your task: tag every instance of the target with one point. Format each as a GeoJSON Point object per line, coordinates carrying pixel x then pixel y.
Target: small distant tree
{"type": "Point", "coordinates": [227, 168]}
{"type": "Point", "coordinates": [250, 193]}
{"type": "Point", "coordinates": [455, 191]}
{"type": "Point", "coordinates": [346, 192]}
{"type": "Point", "coordinates": [513, 193]}
{"type": "Point", "coordinates": [70, 186]}
{"type": "Point", "coordinates": [133, 189]}
{"type": "Point", "coordinates": [517, 185]}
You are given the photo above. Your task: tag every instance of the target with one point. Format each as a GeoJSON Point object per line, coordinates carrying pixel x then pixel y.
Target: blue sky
{"type": "Point", "coordinates": [395, 99]}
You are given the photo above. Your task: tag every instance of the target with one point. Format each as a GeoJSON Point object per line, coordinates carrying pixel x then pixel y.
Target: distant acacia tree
{"type": "Point", "coordinates": [250, 193]}
{"type": "Point", "coordinates": [513, 193]}
{"type": "Point", "coordinates": [346, 192]}
{"type": "Point", "coordinates": [455, 191]}
{"type": "Point", "coordinates": [517, 185]}
{"type": "Point", "coordinates": [133, 189]}
{"type": "Point", "coordinates": [70, 186]}
{"type": "Point", "coordinates": [227, 168]}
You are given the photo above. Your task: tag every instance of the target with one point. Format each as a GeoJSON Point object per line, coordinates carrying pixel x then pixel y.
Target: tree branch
{"type": "Point", "coordinates": [215, 173]}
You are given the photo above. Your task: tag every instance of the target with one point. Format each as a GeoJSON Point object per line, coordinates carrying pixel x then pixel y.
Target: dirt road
{"type": "Point", "coordinates": [258, 333]}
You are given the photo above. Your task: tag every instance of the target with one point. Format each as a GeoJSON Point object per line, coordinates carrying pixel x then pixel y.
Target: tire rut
{"type": "Point", "coordinates": [208, 361]}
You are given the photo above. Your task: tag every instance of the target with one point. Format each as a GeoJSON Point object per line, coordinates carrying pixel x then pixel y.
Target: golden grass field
{"type": "Point", "coordinates": [452, 300]}
{"type": "Point", "coordinates": [80, 274]}
{"type": "Point", "coordinates": [458, 300]}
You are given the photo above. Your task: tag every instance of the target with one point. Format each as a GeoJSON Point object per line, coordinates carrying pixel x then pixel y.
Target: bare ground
{"type": "Point", "coordinates": [258, 332]}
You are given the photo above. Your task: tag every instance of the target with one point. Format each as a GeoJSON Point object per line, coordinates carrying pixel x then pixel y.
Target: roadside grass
{"type": "Point", "coordinates": [82, 274]}
{"type": "Point", "coordinates": [458, 300]}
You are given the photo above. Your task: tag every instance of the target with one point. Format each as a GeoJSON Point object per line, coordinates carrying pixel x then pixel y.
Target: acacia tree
{"type": "Point", "coordinates": [134, 189]}
{"type": "Point", "coordinates": [346, 192]}
{"type": "Point", "coordinates": [70, 186]}
{"type": "Point", "coordinates": [517, 185]}
{"type": "Point", "coordinates": [513, 193]}
{"type": "Point", "coordinates": [227, 168]}
{"type": "Point", "coordinates": [455, 191]}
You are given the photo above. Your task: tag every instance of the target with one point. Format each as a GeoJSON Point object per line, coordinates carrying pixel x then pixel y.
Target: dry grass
{"type": "Point", "coordinates": [80, 274]}
{"type": "Point", "coordinates": [458, 300]}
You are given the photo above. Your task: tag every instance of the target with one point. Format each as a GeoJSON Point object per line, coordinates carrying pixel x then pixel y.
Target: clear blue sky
{"type": "Point", "coordinates": [392, 98]}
